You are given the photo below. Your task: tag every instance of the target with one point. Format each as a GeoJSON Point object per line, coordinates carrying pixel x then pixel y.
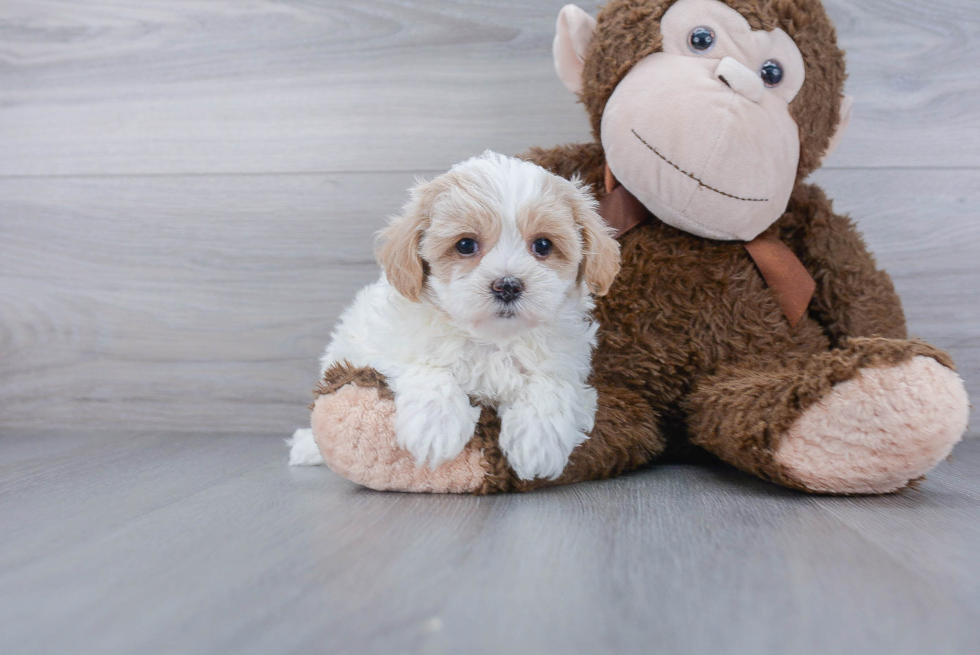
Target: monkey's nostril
{"type": "Point", "coordinates": [507, 289]}
{"type": "Point", "coordinates": [722, 78]}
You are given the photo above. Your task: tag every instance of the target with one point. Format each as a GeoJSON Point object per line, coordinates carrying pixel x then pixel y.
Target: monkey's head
{"type": "Point", "coordinates": [708, 111]}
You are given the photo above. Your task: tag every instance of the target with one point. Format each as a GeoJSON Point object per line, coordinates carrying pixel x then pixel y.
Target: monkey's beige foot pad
{"type": "Point", "coordinates": [354, 430]}
{"type": "Point", "coordinates": [879, 431]}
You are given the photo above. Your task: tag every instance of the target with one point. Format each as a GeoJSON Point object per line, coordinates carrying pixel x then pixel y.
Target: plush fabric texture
{"type": "Point", "coordinates": [743, 414]}
{"type": "Point", "coordinates": [353, 426]}
{"type": "Point", "coordinates": [340, 375]}
{"type": "Point", "coordinates": [628, 31]}
{"type": "Point", "coordinates": [694, 352]}
{"type": "Point", "coordinates": [569, 56]}
{"type": "Point", "coordinates": [834, 447]}
{"type": "Point", "coordinates": [700, 139]}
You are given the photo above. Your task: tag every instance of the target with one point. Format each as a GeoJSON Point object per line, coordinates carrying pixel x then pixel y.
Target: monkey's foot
{"type": "Point", "coordinates": [354, 428]}
{"type": "Point", "coordinates": [879, 431]}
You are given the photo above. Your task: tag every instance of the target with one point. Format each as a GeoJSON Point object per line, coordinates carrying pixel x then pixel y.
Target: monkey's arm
{"type": "Point", "coordinates": [853, 297]}
{"type": "Point", "coordinates": [583, 159]}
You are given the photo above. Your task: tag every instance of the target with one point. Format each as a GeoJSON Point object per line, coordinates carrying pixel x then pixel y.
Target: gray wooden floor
{"type": "Point", "coordinates": [204, 543]}
{"type": "Point", "coordinates": [187, 196]}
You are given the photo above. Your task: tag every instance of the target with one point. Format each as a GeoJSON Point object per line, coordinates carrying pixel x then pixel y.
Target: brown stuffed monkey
{"type": "Point", "coordinates": [748, 320]}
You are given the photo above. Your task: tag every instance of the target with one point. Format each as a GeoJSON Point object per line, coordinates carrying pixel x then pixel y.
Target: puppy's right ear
{"type": "Point", "coordinates": [573, 35]}
{"type": "Point", "coordinates": [398, 250]}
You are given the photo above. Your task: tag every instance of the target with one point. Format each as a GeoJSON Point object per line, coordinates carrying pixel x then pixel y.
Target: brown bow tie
{"type": "Point", "coordinates": [782, 270]}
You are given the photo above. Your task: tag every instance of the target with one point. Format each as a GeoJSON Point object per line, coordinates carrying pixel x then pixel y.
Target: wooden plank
{"type": "Point", "coordinates": [156, 301]}
{"type": "Point", "coordinates": [191, 87]}
{"type": "Point", "coordinates": [912, 102]}
{"type": "Point", "coordinates": [202, 303]}
{"type": "Point", "coordinates": [177, 87]}
{"type": "Point", "coordinates": [254, 557]}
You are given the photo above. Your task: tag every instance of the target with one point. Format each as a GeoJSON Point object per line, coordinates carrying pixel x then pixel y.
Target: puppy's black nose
{"type": "Point", "coordinates": [507, 289]}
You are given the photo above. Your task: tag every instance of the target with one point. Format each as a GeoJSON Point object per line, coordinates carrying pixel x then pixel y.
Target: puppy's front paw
{"type": "Point", "coordinates": [539, 438]}
{"type": "Point", "coordinates": [434, 424]}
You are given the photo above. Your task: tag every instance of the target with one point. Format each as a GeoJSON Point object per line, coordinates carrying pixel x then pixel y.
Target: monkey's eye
{"type": "Point", "coordinates": [702, 39]}
{"type": "Point", "coordinates": [467, 247]}
{"type": "Point", "coordinates": [541, 247]}
{"type": "Point", "coordinates": [772, 73]}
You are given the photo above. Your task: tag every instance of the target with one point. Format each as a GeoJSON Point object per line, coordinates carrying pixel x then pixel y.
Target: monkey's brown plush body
{"type": "Point", "coordinates": [695, 349]}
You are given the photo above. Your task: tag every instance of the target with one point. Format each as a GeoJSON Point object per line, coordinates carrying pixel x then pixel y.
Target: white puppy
{"type": "Point", "coordinates": [484, 299]}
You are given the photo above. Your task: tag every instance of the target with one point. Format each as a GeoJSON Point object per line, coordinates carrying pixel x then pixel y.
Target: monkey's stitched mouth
{"type": "Point", "coordinates": [694, 177]}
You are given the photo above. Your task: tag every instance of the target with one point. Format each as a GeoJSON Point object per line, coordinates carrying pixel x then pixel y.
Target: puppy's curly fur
{"type": "Point", "coordinates": [486, 296]}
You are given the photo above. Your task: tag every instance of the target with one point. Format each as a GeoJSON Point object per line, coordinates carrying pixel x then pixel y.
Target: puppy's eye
{"type": "Point", "coordinates": [771, 73]}
{"type": "Point", "coordinates": [701, 40]}
{"type": "Point", "coordinates": [467, 247]}
{"type": "Point", "coordinates": [541, 247]}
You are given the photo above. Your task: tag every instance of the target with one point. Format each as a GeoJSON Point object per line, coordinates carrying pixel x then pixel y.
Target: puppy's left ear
{"type": "Point", "coordinates": [600, 251]}
{"type": "Point", "coordinates": [398, 249]}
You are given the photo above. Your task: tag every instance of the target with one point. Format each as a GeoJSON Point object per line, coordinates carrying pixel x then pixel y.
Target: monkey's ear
{"type": "Point", "coordinates": [573, 34]}
{"type": "Point", "coordinates": [846, 105]}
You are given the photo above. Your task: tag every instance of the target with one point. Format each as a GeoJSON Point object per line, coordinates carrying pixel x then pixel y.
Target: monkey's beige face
{"type": "Point", "coordinates": [499, 246]}
{"type": "Point", "coordinates": [701, 133]}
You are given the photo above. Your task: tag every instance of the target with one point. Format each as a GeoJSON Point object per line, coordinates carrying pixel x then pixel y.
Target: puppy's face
{"type": "Point", "coordinates": [499, 245]}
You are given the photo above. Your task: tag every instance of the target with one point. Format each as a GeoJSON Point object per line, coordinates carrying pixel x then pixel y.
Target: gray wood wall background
{"type": "Point", "coordinates": [188, 190]}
